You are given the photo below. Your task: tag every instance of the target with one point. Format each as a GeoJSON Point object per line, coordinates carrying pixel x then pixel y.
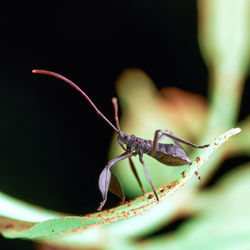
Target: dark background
{"type": "Point", "coordinates": [53, 145]}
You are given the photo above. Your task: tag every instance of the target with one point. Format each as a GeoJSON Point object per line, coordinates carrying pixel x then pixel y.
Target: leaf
{"type": "Point", "coordinates": [72, 226]}
{"type": "Point", "coordinates": [224, 35]}
{"type": "Point", "coordinates": [221, 218]}
{"type": "Point", "coordinates": [20, 210]}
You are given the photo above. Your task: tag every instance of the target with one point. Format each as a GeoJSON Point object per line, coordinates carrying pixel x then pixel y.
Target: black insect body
{"type": "Point", "coordinates": [168, 154]}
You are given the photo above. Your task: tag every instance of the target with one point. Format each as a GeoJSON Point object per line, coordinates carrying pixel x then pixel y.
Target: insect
{"type": "Point", "coordinates": [168, 154]}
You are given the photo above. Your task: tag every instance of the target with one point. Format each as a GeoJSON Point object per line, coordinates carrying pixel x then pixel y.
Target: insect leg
{"type": "Point", "coordinates": [198, 176]}
{"type": "Point", "coordinates": [136, 174]}
{"type": "Point", "coordinates": [105, 177]}
{"type": "Point", "coordinates": [157, 138]}
{"type": "Point", "coordinates": [173, 137]}
{"type": "Point", "coordinates": [115, 188]}
{"type": "Point", "coordinates": [147, 175]}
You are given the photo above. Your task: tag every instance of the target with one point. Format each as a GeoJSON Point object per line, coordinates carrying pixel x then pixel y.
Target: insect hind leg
{"type": "Point", "coordinates": [147, 176]}
{"type": "Point", "coordinates": [132, 166]}
{"type": "Point", "coordinates": [159, 134]}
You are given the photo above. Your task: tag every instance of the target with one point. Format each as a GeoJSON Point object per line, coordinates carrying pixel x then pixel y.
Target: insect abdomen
{"type": "Point", "coordinates": [170, 155]}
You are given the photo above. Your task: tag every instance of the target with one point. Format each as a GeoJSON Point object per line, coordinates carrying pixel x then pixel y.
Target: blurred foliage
{"type": "Point", "coordinates": [218, 216]}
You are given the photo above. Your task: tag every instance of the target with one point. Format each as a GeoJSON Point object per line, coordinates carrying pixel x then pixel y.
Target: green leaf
{"type": "Point", "coordinates": [73, 228]}
{"type": "Point", "coordinates": [20, 210]}
{"type": "Point", "coordinates": [221, 218]}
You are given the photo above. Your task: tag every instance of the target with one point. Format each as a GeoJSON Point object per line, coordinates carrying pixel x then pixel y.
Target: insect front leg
{"type": "Point", "coordinates": [147, 176]}
{"type": "Point", "coordinates": [105, 177]}
{"type": "Point", "coordinates": [120, 143]}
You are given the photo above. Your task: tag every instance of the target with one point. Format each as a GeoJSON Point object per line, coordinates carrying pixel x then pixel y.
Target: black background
{"type": "Point", "coordinates": [53, 145]}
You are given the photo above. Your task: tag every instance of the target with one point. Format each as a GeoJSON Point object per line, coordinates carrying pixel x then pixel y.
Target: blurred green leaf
{"type": "Point", "coordinates": [20, 210]}
{"type": "Point", "coordinates": [224, 34]}
{"type": "Point", "coordinates": [224, 38]}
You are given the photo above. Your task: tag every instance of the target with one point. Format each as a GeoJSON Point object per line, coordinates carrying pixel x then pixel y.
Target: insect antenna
{"type": "Point", "coordinates": [115, 103]}
{"type": "Point", "coordinates": [47, 72]}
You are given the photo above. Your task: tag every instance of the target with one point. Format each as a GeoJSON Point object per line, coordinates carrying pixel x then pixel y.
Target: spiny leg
{"type": "Point", "coordinates": [132, 165]}
{"type": "Point", "coordinates": [105, 177]}
{"type": "Point", "coordinates": [147, 176]}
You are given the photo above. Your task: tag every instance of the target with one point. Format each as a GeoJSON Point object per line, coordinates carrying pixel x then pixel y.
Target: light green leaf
{"type": "Point", "coordinates": [73, 229]}
{"type": "Point", "coordinates": [20, 210]}
{"type": "Point", "coordinates": [221, 217]}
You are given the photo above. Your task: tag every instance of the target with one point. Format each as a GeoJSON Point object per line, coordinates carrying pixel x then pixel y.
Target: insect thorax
{"type": "Point", "coordinates": [136, 144]}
